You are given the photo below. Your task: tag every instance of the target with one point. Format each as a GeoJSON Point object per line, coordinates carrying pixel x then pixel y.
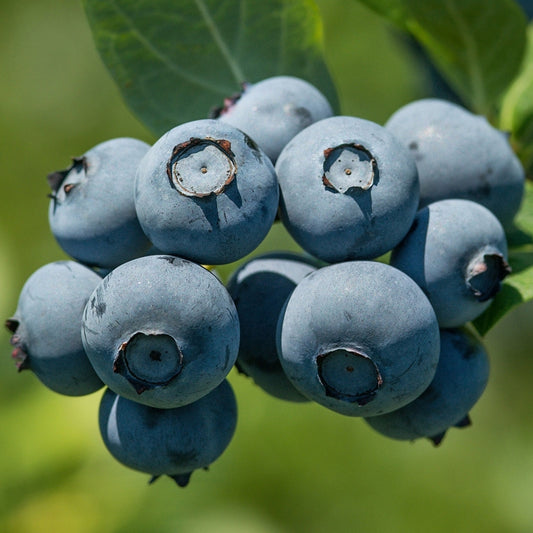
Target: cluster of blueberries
{"type": "Point", "coordinates": [139, 310]}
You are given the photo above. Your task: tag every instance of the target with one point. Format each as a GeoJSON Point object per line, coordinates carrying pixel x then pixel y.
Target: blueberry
{"type": "Point", "coordinates": [274, 110]}
{"type": "Point", "coordinates": [173, 442]}
{"type": "Point", "coordinates": [259, 289]}
{"type": "Point", "coordinates": [206, 192]}
{"type": "Point", "coordinates": [461, 378]}
{"type": "Point", "coordinates": [46, 327]}
{"type": "Point", "coordinates": [161, 330]}
{"type": "Point", "coordinates": [359, 338]}
{"type": "Point", "coordinates": [349, 189]}
{"type": "Point", "coordinates": [460, 155]}
{"type": "Point", "coordinates": [92, 211]}
{"type": "Point", "coordinates": [457, 253]}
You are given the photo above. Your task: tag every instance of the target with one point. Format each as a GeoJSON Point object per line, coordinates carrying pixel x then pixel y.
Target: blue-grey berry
{"type": "Point", "coordinates": [359, 338]}
{"type": "Point", "coordinates": [92, 211]}
{"type": "Point", "coordinates": [460, 155]}
{"type": "Point", "coordinates": [456, 251]}
{"type": "Point", "coordinates": [349, 189]}
{"type": "Point", "coordinates": [206, 192]}
{"type": "Point", "coordinates": [173, 442]}
{"type": "Point", "coordinates": [461, 377]}
{"type": "Point", "coordinates": [161, 330]}
{"type": "Point", "coordinates": [274, 110]}
{"type": "Point", "coordinates": [46, 327]}
{"type": "Point", "coordinates": [259, 289]}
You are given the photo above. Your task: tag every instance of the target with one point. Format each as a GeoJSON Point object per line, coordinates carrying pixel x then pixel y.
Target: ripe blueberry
{"type": "Point", "coordinates": [461, 378]}
{"type": "Point", "coordinates": [349, 189]}
{"type": "Point", "coordinates": [46, 327]}
{"type": "Point", "coordinates": [206, 192]}
{"type": "Point", "coordinates": [92, 211]}
{"type": "Point", "coordinates": [161, 330]}
{"type": "Point", "coordinates": [274, 110]}
{"type": "Point", "coordinates": [259, 289]}
{"type": "Point", "coordinates": [456, 252]}
{"type": "Point", "coordinates": [359, 338]}
{"type": "Point", "coordinates": [173, 442]}
{"type": "Point", "coordinates": [460, 155]}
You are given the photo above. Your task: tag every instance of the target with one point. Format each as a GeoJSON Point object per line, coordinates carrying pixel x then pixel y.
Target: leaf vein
{"type": "Point", "coordinates": [233, 65]}
{"type": "Point", "coordinates": [157, 53]}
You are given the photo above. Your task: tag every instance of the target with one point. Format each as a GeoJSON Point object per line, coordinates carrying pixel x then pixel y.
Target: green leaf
{"type": "Point", "coordinates": [517, 288]}
{"type": "Point", "coordinates": [517, 109]}
{"type": "Point", "coordinates": [395, 11]}
{"type": "Point", "coordinates": [520, 236]}
{"type": "Point", "coordinates": [175, 61]}
{"type": "Point", "coordinates": [477, 45]}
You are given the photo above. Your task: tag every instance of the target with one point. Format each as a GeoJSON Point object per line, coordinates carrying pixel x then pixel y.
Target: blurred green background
{"type": "Point", "coordinates": [290, 468]}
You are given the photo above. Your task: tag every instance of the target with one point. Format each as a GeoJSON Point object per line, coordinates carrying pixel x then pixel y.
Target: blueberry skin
{"type": "Point", "coordinates": [359, 338]}
{"type": "Point", "coordinates": [161, 330]}
{"type": "Point", "coordinates": [46, 327]}
{"type": "Point", "coordinates": [173, 442]}
{"type": "Point", "coordinates": [259, 289]}
{"type": "Point", "coordinates": [456, 251]}
{"type": "Point", "coordinates": [349, 189]}
{"type": "Point", "coordinates": [274, 110]}
{"type": "Point", "coordinates": [92, 211]}
{"type": "Point", "coordinates": [461, 377]}
{"type": "Point", "coordinates": [206, 192]}
{"type": "Point", "coordinates": [460, 155]}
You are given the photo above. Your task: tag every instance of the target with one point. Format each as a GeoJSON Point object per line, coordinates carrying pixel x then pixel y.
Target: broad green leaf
{"type": "Point", "coordinates": [477, 45]}
{"type": "Point", "coordinates": [395, 11]}
{"type": "Point", "coordinates": [517, 288]}
{"type": "Point", "coordinates": [517, 109]}
{"type": "Point", "coordinates": [176, 60]}
{"type": "Point", "coordinates": [520, 236]}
